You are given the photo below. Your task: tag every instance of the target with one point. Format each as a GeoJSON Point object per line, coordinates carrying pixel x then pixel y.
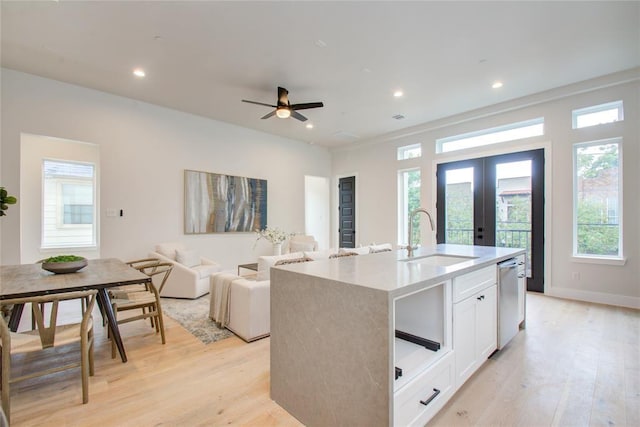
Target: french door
{"type": "Point", "coordinates": [495, 201]}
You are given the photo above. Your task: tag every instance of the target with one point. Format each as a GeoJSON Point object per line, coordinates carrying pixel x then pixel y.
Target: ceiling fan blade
{"type": "Point", "coordinates": [298, 116]}
{"type": "Point", "coordinates": [259, 103]}
{"type": "Point", "coordinates": [283, 96]}
{"type": "Point", "coordinates": [271, 114]}
{"type": "Point", "coordinates": [307, 106]}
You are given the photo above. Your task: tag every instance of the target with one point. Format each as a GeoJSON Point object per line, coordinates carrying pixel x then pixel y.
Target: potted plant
{"type": "Point", "coordinates": [5, 201]}
{"type": "Point", "coordinates": [274, 235]}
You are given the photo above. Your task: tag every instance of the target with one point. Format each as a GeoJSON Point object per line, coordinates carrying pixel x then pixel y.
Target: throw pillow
{"type": "Point", "coordinates": [266, 262]}
{"type": "Point", "coordinates": [189, 258]}
{"type": "Point", "coordinates": [316, 255]}
{"type": "Point", "coordinates": [293, 261]}
{"type": "Point", "coordinates": [169, 249]}
{"type": "Point", "coordinates": [360, 251]}
{"type": "Point", "coordinates": [385, 247]}
{"type": "Point", "coordinates": [342, 254]}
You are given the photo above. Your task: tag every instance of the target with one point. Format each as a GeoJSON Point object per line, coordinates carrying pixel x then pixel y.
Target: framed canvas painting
{"type": "Point", "coordinates": [217, 203]}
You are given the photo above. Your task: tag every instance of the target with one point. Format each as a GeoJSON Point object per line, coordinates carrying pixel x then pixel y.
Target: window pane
{"type": "Point", "coordinates": [597, 199]}
{"type": "Point", "coordinates": [495, 135]}
{"type": "Point", "coordinates": [409, 199]}
{"type": "Point", "coordinates": [459, 206]}
{"type": "Point", "coordinates": [598, 115]}
{"type": "Point", "coordinates": [68, 204]}
{"type": "Point", "coordinates": [409, 151]}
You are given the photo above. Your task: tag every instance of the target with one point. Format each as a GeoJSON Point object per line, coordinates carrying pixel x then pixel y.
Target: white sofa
{"type": "Point", "coordinates": [191, 272]}
{"type": "Point", "coordinates": [250, 298]}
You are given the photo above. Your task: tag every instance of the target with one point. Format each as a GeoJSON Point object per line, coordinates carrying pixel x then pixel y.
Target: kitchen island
{"type": "Point", "coordinates": [374, 340]}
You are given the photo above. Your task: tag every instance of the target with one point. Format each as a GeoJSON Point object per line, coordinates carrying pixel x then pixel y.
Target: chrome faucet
{"type": "Point", "coordinates": [413, 213]}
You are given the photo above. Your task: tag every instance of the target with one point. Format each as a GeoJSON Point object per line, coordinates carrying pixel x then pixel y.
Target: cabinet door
{"type": "Point", "coordinates": [464, 338]}
{"type": "Point", "coordinates": [486, 323]}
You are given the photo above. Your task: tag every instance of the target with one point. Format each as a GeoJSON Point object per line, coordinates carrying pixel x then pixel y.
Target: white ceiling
{"type": "Point", "coordinates": [204, 57]}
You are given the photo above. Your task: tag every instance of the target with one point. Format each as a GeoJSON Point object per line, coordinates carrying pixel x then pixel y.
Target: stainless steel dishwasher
{"type": "Point", "coordinates": [508, 324]}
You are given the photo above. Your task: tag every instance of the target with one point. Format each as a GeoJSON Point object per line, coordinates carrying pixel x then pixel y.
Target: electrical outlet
{"type": "Point", "coordinates": [575, 276]}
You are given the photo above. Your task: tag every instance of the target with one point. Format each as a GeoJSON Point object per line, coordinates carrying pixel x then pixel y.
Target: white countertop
{"type": "Point", "coordinates": [388, 271]}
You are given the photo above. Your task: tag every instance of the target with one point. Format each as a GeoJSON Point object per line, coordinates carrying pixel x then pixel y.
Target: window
{"type": "Point", "coordinates": [598, 115]}
{"type": "Point", "coordinates": [597, 199]}
{"type": "Point", "coordinates": [68, 205]}
{"type": "Point", "coordinates": [510, 132]}
{"type": "Point", "coordinates": [408, 200]}
{"type": "Point", "coordinates": [409, 151]}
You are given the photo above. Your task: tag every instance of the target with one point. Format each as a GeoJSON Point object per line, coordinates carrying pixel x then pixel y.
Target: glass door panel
{"type": "Point", "coordinates": [459, 201]}
{"type": "Point", "coordinates": [513, 206]}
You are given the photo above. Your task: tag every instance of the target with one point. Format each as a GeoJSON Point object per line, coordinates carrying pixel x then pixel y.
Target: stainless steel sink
{"type": "Point", "coordinates": [438, 260]}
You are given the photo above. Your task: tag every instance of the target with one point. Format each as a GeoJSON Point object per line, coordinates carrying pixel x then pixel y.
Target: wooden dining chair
{"type": "Point", "coordinates": [147, 298]}
{"type": "Point", "coordinates": [48, 333]}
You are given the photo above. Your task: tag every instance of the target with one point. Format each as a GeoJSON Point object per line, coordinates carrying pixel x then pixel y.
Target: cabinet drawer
{"type": "Point", "coordinates": [468, 284]}
{"type": "Point", "coordinates": [434, 387]}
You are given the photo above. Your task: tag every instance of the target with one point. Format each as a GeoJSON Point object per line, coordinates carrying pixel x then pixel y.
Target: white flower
{"type": "Point", "coordinates": [273, 235]}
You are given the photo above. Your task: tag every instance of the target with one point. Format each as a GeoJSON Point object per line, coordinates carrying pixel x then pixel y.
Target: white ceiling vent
{"type": "Point", "coordinates": [398, 117]}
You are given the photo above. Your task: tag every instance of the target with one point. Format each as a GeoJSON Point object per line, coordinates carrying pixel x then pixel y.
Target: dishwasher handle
{"type": "Point", "coordinates": [510, 263]}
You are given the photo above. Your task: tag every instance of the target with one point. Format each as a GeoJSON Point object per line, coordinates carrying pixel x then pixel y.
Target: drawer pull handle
{"type": "Point", "coordinates": [436, 392]}
{"type": "Point", "coordinates": [480, 298]}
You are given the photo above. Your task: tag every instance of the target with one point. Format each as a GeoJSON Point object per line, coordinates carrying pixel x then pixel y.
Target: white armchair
{"type": "Point", "coordinates": [191, 272]}
{"type": "Point", "coordinates": [301, 242]}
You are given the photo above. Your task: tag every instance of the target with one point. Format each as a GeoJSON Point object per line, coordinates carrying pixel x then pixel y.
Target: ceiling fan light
{"type": "Point", "coordinates": [283, 113]}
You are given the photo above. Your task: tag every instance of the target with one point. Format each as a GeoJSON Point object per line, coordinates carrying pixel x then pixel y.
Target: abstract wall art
{"type": "Point", "coordinates": [217, 203]}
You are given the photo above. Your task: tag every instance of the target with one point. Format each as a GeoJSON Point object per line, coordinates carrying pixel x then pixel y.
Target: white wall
{"type": "Point", "coordinates": [144, 150]}
{"type": "Point", "coordinates": [376, 165]}
{"type": "Point", "coordinates": [316, 209]}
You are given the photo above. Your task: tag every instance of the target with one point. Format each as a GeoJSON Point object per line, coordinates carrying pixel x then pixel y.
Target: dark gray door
{"type": "Point", "coordinates": [347, 212]}
{"type": "Point", "coordinates": [495, 201]}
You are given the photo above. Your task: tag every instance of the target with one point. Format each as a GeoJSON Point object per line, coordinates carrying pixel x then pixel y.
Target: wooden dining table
{"type": "Point", "coordinates": [26, 280]}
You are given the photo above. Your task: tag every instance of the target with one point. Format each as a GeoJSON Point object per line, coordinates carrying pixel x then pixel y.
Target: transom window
{"type": "Point", "coordinates": [510, 132]}
{"type": "Point", "coordinates": [598, 115]}
{"type": "Point", "coordinates": [409, 151]}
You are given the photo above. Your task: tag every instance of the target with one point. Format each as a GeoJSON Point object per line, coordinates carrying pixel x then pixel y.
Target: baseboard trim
{"type": "Point", "coordinates": [595, 297]}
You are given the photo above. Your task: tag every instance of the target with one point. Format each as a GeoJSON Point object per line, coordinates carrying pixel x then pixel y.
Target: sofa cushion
{"type": "Point", "coordinates": [301, 246]}
{"type": "Point", "coordinates": [266, 262]}
{"type": "Point", "coordinates": [206, 270]}
{"type": "Point", "coordinates": [169, 249]}
{"type": "Point", "coordinates": [189, 257]}
{"type": "Point", "coordinates": [317, 255]}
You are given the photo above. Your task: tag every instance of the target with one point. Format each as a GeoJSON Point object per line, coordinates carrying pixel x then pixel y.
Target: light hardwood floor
{"type": "Point", "coordinates": [575, 364]}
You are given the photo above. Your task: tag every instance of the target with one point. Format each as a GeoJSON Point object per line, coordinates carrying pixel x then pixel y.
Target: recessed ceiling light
{"type": "Point", "coordinates": [398, 93]}
{"type": "Point", "coordinates": [309, 125]}
{"type": "Point", "coordinates": [496, 85]}
{"type": "Point", "coordinates": [139, 72]}
{"type": "Point", "coordinates": [321, 43]}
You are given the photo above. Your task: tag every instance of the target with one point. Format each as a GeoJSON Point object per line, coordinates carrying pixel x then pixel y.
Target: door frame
{"type": "Point", "coordinates": [509, 148]}
{"type": "Point", "coordinates": [335, 203]}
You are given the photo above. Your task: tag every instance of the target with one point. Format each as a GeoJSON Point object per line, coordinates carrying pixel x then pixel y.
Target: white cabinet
{"type": "Point", "coordinates": [475, 322]}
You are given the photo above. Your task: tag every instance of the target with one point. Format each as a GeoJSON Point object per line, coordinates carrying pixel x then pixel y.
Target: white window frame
{"type": "Point", "coordinates": [609, 106]}
{"type": "Point", "coordinates": [60, 208]}
{"type": "Point", "coordinates": [403, 204]}
{"type": "Point", "coordinates": [593, 258]}
{"type": "Point", "coordinates": [403, 152]}
{"type": "Point", "coordinates": [495, 135]}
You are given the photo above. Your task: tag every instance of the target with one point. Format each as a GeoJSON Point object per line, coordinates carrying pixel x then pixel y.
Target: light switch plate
{"type": "Point", "coordinates": [112, 212]}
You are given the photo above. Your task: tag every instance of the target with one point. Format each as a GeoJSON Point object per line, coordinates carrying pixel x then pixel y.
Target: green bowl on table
{"type": "Point", "coordinates": [63, 264]}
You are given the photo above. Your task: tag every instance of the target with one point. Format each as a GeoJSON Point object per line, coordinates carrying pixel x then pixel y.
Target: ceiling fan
{"type": "Point", "coordinates": [284, 110]}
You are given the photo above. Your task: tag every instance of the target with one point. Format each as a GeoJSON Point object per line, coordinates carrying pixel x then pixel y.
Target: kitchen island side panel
{"type": "Point", "coordinates": [330, 351]}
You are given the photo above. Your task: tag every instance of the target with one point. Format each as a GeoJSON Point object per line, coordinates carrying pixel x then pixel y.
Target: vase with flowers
{"type": "Point", "coordinates": [275, 236]}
